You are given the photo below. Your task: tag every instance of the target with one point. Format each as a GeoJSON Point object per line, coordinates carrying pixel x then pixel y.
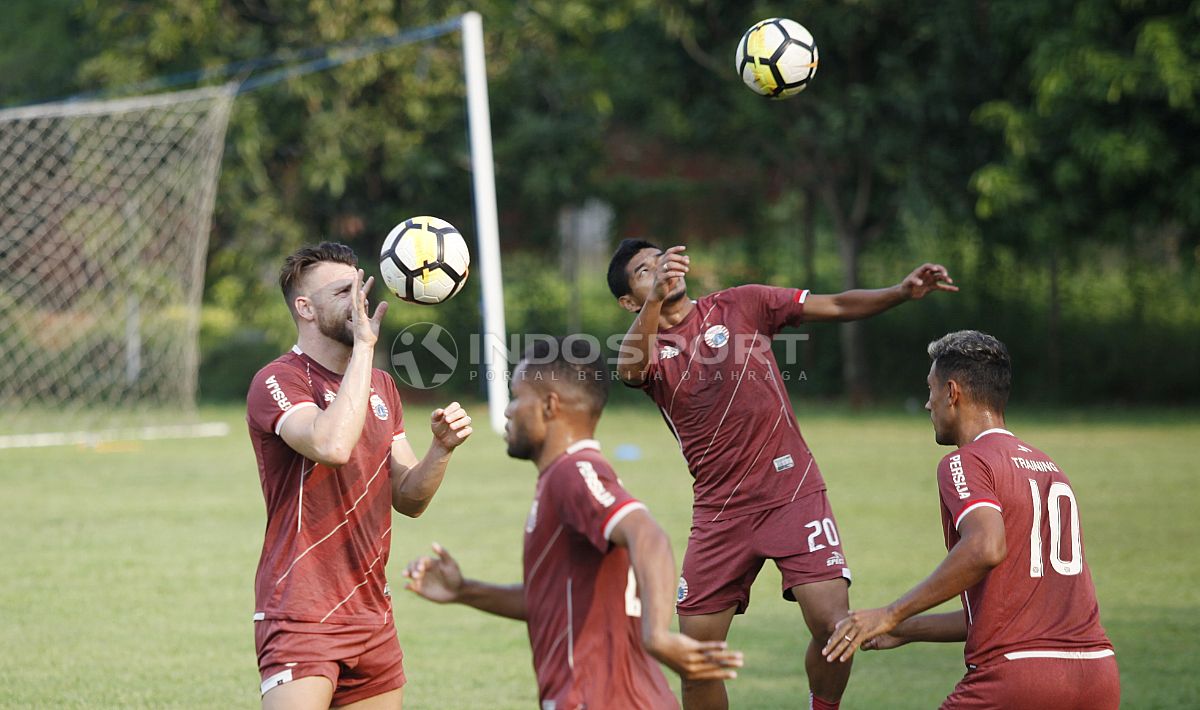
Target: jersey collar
{"type": "Point", "coordinates": [583, 444]}
{"type": "Point", "coordinates": [996, 430]}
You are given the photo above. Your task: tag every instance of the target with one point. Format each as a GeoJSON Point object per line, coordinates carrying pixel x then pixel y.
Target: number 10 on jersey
{"type": "Point", "coordinates": [1058, 491]}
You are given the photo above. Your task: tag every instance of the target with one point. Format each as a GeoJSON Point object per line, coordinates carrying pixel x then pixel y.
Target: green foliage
{"type": "Point", "coordinates": [1044, 150]}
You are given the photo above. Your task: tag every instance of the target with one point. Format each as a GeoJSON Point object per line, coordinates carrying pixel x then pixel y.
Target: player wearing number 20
{"type": "Point", "coordinates": [1030, 617]}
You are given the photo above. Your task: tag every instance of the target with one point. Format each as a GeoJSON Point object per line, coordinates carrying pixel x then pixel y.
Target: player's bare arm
{"type": "Point", "coordinates": [654, 568]}
{"type": "Point", "coordinates": [981, 547]}
{"type": "Point", "coordinates": [662, 275]}
{"type": "Point", "coordinates": [950, 627]}
{"type": "Point", "coordinates": [864, 303]}
{"type": "Point", "coordinates": [440, 580]}
{"type": "Point", "coordinates": [414, 482]}
{"type": "Point", "coordinates": [328, 436]}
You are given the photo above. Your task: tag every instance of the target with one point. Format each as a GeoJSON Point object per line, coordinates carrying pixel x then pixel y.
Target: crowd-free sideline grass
{"type": "Point", "coordinates": [127, 570]}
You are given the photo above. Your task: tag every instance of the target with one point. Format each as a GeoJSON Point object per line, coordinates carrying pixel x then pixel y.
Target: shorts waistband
{"type": "Point", "coordinates": [1076, 655]}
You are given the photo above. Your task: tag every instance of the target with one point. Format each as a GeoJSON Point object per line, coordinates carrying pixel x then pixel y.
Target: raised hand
{"type": "Point", "coordinates": [672, 265]}
{"type": "Point", "coordinates": [927, 278]}
{"type": "Point", "coordinates": [365, 328]}
{"type": "Point", "coordinates": [437, 579]}
{"type": "Point", "coordinates": [451, 425]}
{"type": "Point", "coordinates": [695, 660]}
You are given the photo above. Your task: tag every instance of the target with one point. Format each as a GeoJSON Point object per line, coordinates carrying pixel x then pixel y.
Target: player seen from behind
{"type": "Point", "coordinates": [599, 576]}
{"type": "Point", "coordinates": [334, 460]}
{"type": "Point", "coordinates": [1030, 618]}
{"type": "Point", "coordinates": [759, 495]}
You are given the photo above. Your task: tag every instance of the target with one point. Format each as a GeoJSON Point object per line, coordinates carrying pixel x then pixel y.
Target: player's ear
{"type": "Point", "coordinates": [953, 392]}
{"type": "Point", "coordinates": [628, 303]}
{"type": "Point", "coordinates": [303, 308]}
{"type": "Point", "coordinates": [551, 405]}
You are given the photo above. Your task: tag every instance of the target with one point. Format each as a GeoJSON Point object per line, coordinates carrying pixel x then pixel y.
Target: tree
{"type": "Point", "coordinates": [883, 126]}
{"type": "Point", "coordinates": [1098, 129]}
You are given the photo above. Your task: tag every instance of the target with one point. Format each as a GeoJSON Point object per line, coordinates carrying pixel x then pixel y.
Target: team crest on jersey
{"type": "Point", "coordinates": [668, 352]}
{"type": "Point", "coordinates": [380, 409]}
{"type": "Point", "coordinates": [531, 521]}
{"type": "Point", "coordinates": [716, 336]}
{"type": "Point", "coordinates": [682, 592]}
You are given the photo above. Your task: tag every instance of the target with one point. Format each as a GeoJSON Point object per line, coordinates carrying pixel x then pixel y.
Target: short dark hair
{"type": "Point", "coordinates": [297, 264]}
{"type": "Point", "coordinates": [978, 362]}
{"type": "Point", "coordinates": [574, 361]}
{"type": "Point", "coordinates": [618, 280]}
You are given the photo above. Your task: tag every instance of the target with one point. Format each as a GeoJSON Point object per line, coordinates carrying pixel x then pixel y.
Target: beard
{"type": "Point", "coordinates": [335, 326]}
{"type": "Point", "coordinates": [943, 438]}
{"type": "Point", "coordinates": [678, 294]}
{"type": "Point", "coordinates": [519, 446]}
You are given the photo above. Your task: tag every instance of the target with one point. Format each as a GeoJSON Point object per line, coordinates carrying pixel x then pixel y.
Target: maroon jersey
{"type": "Point", "coordinates": [584, 611]}
{"type": "Point", "coordinates": [1040, 601]}
{"type": "Point", "coordinates": [717, 384]}
{"type": "Point", "coordinates": [328, 528]}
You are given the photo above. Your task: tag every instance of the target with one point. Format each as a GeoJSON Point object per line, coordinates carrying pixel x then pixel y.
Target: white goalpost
{"type": "Point", "coordinates": [105, 214]}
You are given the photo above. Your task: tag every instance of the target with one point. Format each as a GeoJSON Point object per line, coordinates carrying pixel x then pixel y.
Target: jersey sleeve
{"type": "Point", "coordinates": [276, 392]}
{"type": "Point", "coordinates": [965, 483]}
{"type": "Point", "coordinates": [772, 308]}
{"type": "Point", "coordinates": [591, 501]}
{"type": "Point", "coordinates": [392, 395]}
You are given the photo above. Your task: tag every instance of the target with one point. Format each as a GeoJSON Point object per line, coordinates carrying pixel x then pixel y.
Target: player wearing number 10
{"type": "Point", "coordinates": [1030, 617]}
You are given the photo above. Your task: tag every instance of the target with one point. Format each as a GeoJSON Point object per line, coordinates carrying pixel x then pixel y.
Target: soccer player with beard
{"type": "Point", "coordinates": [599, 574]}
{"type": "Point", "coordinates": [1030, 618]}
{"type": "Point", "coordinates": [334, 460]}
{"type": "Point", "coordinates": [759, 494]}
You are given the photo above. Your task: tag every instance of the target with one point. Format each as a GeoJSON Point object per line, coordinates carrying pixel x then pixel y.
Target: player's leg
{"type": "Point", "coordinates": [372, 676]}
{"type": "Point", "coordinates": [824, 604]}
{"type": "Point", "coordinates": [706, 694]}
{"type": "Point", "coordinates": [297, 668]}
{"type": "Point", "coordinates": [718, 570]}
{"type": "Point", "coordinates": [314, 692]}
{"type": "Point", "coordinates": [815, 575]}
{"type": "Point", "coordinates": [391, 700]}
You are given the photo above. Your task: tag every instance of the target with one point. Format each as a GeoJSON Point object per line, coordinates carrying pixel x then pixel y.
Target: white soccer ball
{"type": "Point", "coordinates": [777, 58]}
{"type": "Point", "coordinates": [424, 260]}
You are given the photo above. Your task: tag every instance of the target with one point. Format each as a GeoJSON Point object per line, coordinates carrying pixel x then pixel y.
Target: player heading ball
{"type": "Point", "coordinates": [334, 460]}
{"type": "Point", "coordinates": [756, 481]}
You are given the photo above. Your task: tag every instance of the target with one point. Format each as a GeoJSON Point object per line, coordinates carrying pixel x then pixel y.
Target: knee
{"type": "Point", "coordinates": [822, 627]}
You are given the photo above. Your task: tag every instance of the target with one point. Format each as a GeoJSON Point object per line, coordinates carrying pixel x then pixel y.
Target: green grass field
{"type": "Point", "coordinates": [128, 570]}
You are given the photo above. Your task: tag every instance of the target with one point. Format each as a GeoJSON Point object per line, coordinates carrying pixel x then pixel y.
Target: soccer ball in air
{"type": "Point", "coordinates": [424, 260]}
{"type": "Point", "coordinates": [777, 58]}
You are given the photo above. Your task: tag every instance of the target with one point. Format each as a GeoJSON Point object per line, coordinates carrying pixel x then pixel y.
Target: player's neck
{"type": "Point", "coordinates": [557, 441]}
{"type": "Point", "coordinates": [329, 353]}
{"type": "Point", "coordinates": [977, 423]}
{"type": "Point", "coordinates": [673, 312]}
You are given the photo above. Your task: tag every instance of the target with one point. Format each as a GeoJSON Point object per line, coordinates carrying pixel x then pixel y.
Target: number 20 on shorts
{"type": "Point", "coordinates": [818, 527]}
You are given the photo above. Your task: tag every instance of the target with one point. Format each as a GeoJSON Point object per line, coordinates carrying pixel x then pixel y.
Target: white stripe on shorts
{"type": "Point", "coordinates": [1080, 655]}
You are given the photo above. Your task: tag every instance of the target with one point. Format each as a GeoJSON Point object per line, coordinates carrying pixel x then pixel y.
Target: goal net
{"type": "Point", "coordinates": [105, 208]}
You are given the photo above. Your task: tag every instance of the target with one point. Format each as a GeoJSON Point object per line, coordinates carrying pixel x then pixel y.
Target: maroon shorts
{"type": "Point", "coordinates": [360, 661]}
{"type": "Point", "coordinates": [1043, 683]}
{"type": "Point", "coordinates": [724, 557]}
